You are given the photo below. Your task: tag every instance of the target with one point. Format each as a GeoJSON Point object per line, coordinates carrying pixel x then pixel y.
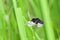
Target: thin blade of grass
{"type": "Point", "coordinates": [47, 20]}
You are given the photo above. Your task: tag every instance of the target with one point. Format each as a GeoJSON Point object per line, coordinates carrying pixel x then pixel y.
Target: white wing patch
{"type": "Point", "coordinates": [30, 23]}
{"type": "Point", "coordinates": [39, 25]}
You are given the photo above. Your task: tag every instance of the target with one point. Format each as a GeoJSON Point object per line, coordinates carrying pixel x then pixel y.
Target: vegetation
{"type": "Point", "coordinates": [14, 15]}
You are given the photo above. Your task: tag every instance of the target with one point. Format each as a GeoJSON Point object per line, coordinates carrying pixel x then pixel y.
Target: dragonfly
{"type": "Point", "coordinates": [35, 21]}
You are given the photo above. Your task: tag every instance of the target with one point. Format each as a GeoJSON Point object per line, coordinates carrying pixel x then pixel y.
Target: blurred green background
{"type": "Point", "coordinates": [14, 15]}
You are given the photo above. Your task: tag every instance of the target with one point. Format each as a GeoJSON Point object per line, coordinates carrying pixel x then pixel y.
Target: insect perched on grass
{"type": "Point", "coordinates": [35, 21]}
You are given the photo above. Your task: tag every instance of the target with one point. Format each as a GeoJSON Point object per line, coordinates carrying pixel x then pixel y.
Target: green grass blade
{"type": "Point", "coordinates": [47, 20]}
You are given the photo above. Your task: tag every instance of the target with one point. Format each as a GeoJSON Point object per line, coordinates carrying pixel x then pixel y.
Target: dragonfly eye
{"type": "Point", "coordinates": [34, 20]}
{"type": "Point", "coordinates": [40, 21]}
{"type": "Point", "coordinates": [37, 20]}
